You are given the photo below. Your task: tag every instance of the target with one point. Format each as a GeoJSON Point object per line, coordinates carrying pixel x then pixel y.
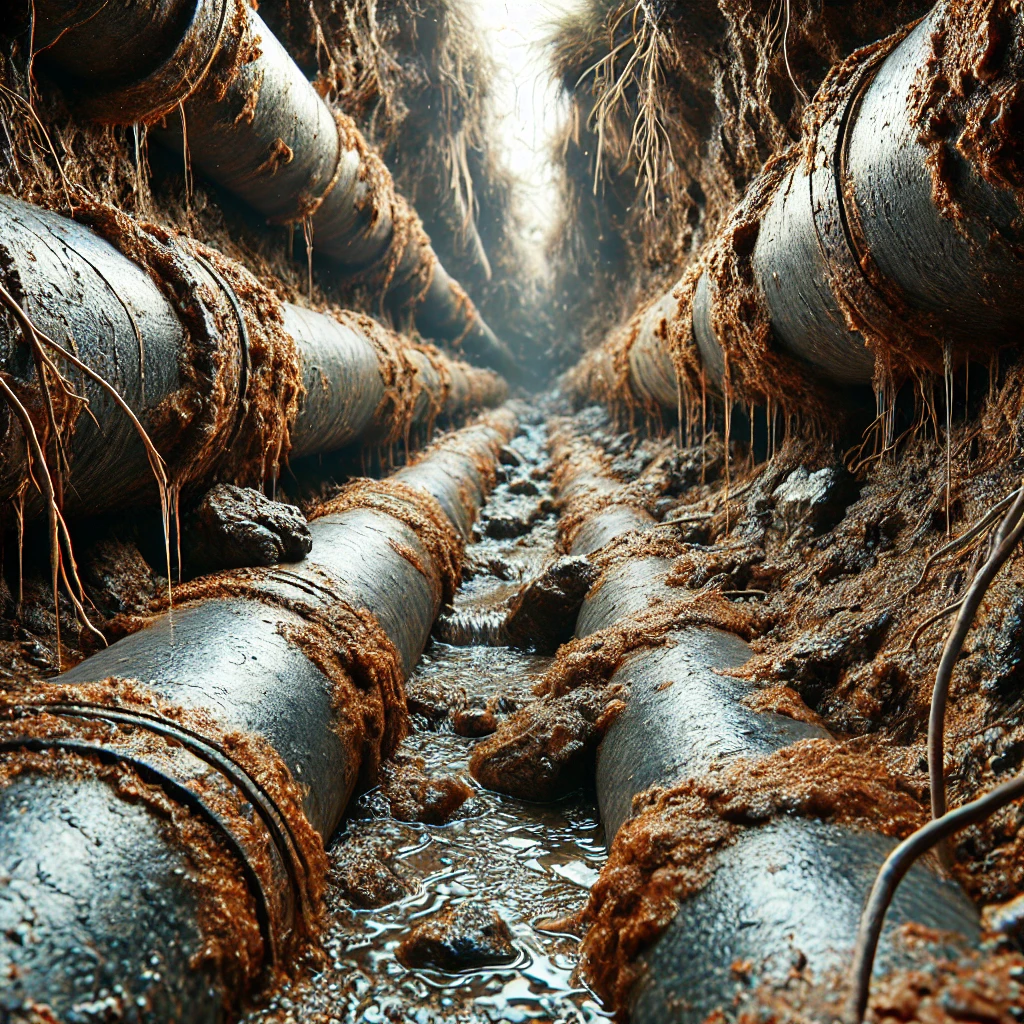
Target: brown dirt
{"type": "Point", "coordinates": [969, 97]}
{"type": "Point", "coordinates": [544, 750]}
{"type": "Point", "coordinates": [985, 988]}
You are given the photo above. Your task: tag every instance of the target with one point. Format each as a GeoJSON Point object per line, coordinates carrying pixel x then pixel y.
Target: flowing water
{"type": "Point", "coordinates": [527, 862]}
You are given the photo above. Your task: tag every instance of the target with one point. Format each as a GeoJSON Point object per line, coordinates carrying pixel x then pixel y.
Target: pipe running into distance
{"type": "Point", "coordinates": [225, 377]}
{"type": "Point", "coordinates": [215, 83]}
{"type": "Point", "coordinates": [786, 887]}
{"type": "Point", "coordinates": [164, 804]}
{"type": "Point", "coordinates": [874, 247]}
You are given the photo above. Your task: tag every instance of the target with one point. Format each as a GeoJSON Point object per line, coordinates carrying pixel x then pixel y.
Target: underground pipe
{"type": "Point", "coordinates": [217, 85]}
{"type": "Point", "coordinates": [223, 375]}
{"type": "Point", "coordinates": [784, 889]}
{"type": "Point", "coordinates": [872, 245]}
{"type": "Point", "coordinates": [163, 802]}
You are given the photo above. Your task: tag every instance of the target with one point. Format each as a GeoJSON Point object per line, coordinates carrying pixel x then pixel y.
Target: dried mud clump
{"type": "Point", "coordinates": [362, 874]}
{"type": "Point", "coordinates": [666, 851]}
{"type": "Point", "coordinates": [236, 527]}
{"type": "Point", "coordinates": [982, 987]}
{"type": "Point", "coordinates": [544, 750]}
{"type": "Point", "coordinates": [543, 614]}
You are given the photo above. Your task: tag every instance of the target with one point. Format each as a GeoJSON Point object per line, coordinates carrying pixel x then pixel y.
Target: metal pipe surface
{"type": "Point", "coordinates": [792, 884]}
{"type": "Point", "coordinates": [215, 82]}
{"type": "Point", "coordinates": [852, 255]}
{"type": "Point", "coordinates": [118, 317]}
{"type": "Point", "coordinates": [108, 878]}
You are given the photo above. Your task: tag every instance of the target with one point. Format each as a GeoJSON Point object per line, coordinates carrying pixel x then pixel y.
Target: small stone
{"type": "Point", "coordinates": [523, 485]}
{"type": "Point", "coordinates": [818, 500]}
{"type": "Point", "coordinates": [543, 614]}
{"type": "Point", "coordinates": [474, 722]}
{"type": "Point", "coordinates": [460, 938]}
{"type": "Point", "coordinates": [416, 796]}
{"type": "Point", "coordinates": [237, 527]}
{"type": "Point", "coordinates": [505, 525]}
{"type": "Point", "coordinates": [364, 878]}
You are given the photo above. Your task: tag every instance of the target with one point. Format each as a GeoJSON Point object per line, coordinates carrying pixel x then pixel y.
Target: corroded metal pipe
{"type": "Point", "coordinates": [791, 886]}
{"type": "Point", "coordinates": [873, 247]}
{"type": "Point", "coordinates": [215, 83]}
{"type": "Point", "coordinates": [163, 802]}
{"type": "Point", "coordinates": [223, 375]}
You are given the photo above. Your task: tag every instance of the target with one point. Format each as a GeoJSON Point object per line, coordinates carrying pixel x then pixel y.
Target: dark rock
{"type": "Point", "coordinates": [817, 500]}
{"type": "Point", "coordinates": [523, 485]}
{"type": "Point", "coordinates": [543, 614]}
{"type": "Point", "coordinates": [505, 525]}
{"type": "Point", "coordinates": [415, 795]}
{"type": "Point", "coordinates": [543, 751]}
{"type": "Point", "coordinates": [508, 456]}
{"type": "Point", "coordinates": [460, 938]}
{"type": "Point", "coordinates": [363, 876]}
{"type": "Point", "coordinates": [236, 527]}
{"type": "Point", "coordinates": [118, 578]}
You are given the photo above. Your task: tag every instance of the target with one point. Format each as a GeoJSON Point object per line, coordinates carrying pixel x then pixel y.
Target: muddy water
{"type": "Point", "coordinates": [527, 862]}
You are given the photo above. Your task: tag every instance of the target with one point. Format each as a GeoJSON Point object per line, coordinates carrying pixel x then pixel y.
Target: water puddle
{"type": "Point", "coordinates": [526, 862]}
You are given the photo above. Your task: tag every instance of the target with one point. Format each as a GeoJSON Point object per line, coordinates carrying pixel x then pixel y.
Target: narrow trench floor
{"type": "Point", "coordinates": [525, 862]}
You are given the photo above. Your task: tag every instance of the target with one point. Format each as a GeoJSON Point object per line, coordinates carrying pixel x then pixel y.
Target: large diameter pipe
{"type": "Point", "coordinates": [360, 381]}
{"type": "Point", "coordinates": [105, 852]}
{"type": "Point", "coordinates": [252, 122]}
{"type": "Point", "coordinates": [791, 886]}
{"type": "Point", "coordinates": [853, 259]}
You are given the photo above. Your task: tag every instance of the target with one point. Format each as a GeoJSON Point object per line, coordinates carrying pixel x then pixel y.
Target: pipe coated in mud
{"type": "Point", "coordinates": [851, 257]}
{"type": "Point", "coordinates": [134, 768]}
{"type": "Point", "coordinates": [223, 90]}
{"type": "Point", "coordinates": [788, 888]}
{"type": "Point", "coordinates": [189, 368]}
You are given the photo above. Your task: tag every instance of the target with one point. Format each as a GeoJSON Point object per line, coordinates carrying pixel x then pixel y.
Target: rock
{"type": "Point", "coordinates": [459, 938]}
{"type": "Point", "coordinates": [542, 751]}
{"type": "Point", "coordinates": [363, 876]}
{"type": "Point", "coordinates": [119, 579]}
{"type": "Point", "coordinates": [818, 500]}
{"type": "Point", "coordinates": [543, 614]}
{"type": "Point", "coordinates": [435, 699]}
{"type": "Point", "coordinates": [236, 527]}
{"type": "Point", "coordinates": [474, 722]}
{"type": "Point", "coordinates": [523, 485]}
{"type": "Point", "coordinates": [505, 525]}
{"type": "Point", "coordinates": [508, 456]}
{"type": "Point", "coordinates": [416, 796]}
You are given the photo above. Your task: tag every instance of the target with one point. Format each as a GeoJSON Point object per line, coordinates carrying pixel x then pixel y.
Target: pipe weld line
{"type": "Point", "coordinates": [214, 754]}
{"type": "Point", "coordinates": [180, 794]}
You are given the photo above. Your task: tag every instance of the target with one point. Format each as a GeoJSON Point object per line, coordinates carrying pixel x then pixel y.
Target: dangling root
{"type": "Point", "coordinates": [62, 558]}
